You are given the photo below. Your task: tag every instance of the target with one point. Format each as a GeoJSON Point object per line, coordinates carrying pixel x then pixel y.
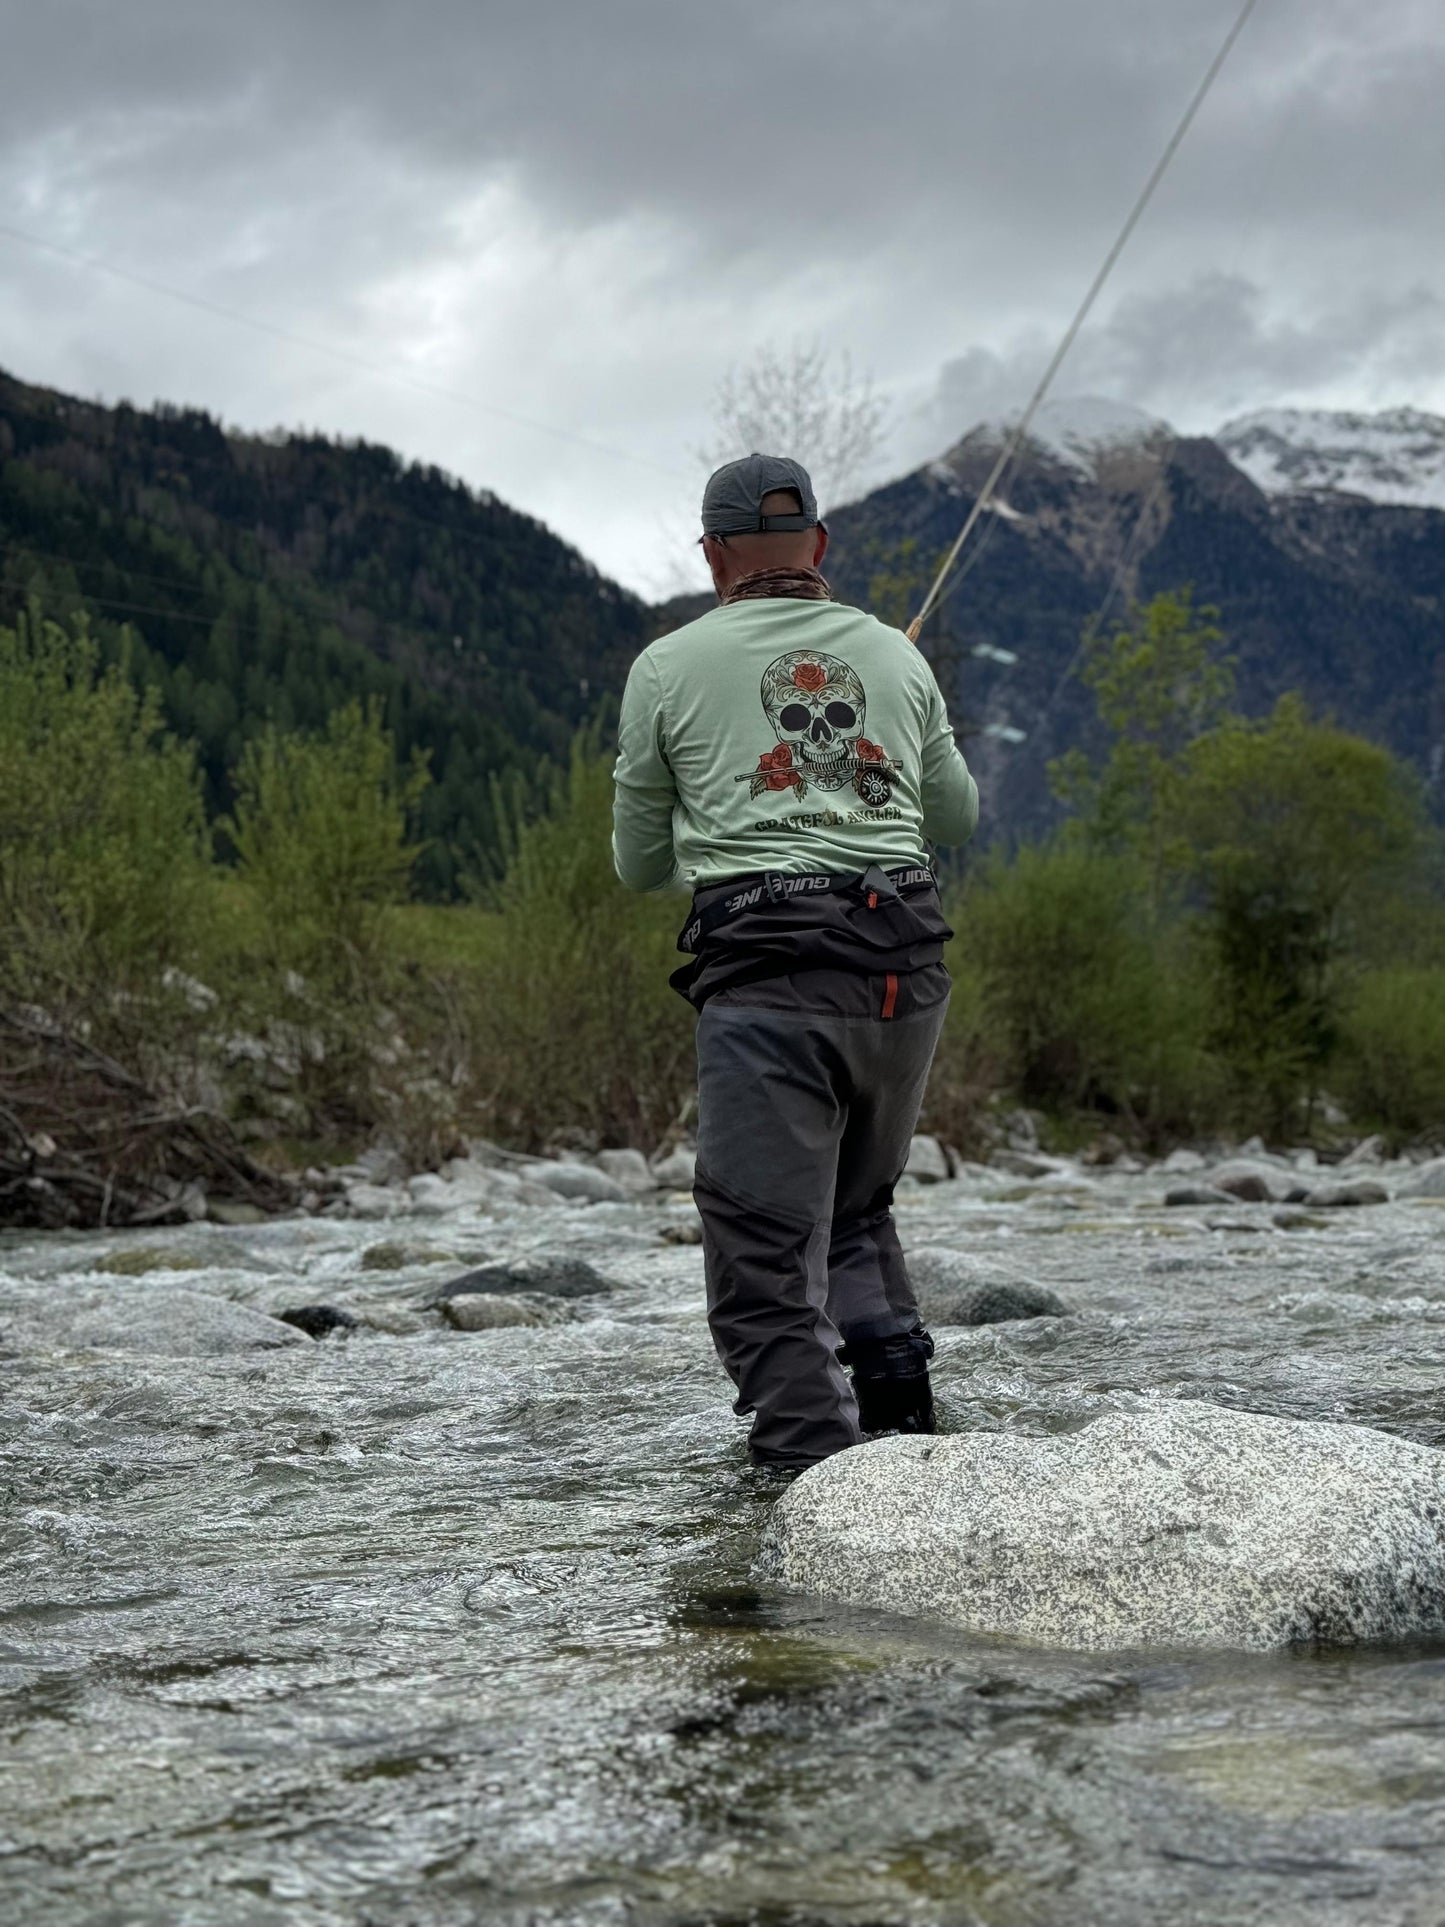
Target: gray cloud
{"type": "Point", "coordinates": [1197, 354]}
{"type": "Point", "coordinates": [585, 212]}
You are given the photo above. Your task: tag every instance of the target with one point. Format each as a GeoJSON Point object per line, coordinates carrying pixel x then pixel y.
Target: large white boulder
{"type": "Point", "coordinates": [1178, 1524]}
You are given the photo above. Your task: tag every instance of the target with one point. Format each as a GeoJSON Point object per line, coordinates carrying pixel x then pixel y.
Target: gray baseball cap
{"type": "Point", "coordinates": [732, 502]}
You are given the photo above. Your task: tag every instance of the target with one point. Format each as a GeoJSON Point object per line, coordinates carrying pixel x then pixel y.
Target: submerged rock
{"type": "Point", "coordinates": [1246, 1187]}
{"type": "Point", "coordinates": [688, 1232]}
{"type": "Point", "coordinates": [134, 1261]}
{"type": "Point", "coordinates": [1198, 1194]}
{"type": "Point", "coordinates": [396, 1255]}
{"type": "Point", "coordinates": [1359, 1191]}
{"type": "Point", "coordinates": [317, 1320]}
{"type": "Point", "coordinates": [954, 1289]}
{"type": "Point", "coordinates": [479, 1312]}
{"type": "Point", "coordinates": [537, 1272]}
{"type": "Point", "coordinates": [1001, 1304]}
{"type": "Point", "coordinates": [1182, 1524]}
{"type": "Point", "coordinates": [167, 1321]}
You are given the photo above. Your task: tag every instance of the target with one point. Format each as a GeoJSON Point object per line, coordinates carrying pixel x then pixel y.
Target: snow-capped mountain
{"type": "Point", "coordinates": [1396, 457]}
{"type": "Point", "coordinates": [1325, 584]}
{"type": "Point", "coordinates": [1075, 431]}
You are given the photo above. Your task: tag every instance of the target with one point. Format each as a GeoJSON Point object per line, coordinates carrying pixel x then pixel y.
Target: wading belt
{"type": "Point", "coordinates": [772, 887]}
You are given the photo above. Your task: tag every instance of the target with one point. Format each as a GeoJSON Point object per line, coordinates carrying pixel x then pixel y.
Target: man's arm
{"type": "Point", "coordinates": [950, 795]}
{"type": "Point", "coordinates": [644, 791]}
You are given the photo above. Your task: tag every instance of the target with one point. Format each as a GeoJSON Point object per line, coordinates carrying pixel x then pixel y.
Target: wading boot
{"type": "Point", "coordinates": [890, 1381]}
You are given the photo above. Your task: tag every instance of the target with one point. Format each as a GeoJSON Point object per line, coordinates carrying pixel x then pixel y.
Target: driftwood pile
{"type": "Point", "coordinates": [84, 1143]}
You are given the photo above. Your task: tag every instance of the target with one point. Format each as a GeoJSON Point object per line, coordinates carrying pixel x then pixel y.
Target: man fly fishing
{"type": "Point", "coordinates": [789, 759]}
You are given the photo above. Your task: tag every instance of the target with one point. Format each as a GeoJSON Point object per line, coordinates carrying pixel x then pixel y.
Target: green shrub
{"type": "Point", "coordinates": [1390, 1072]}
{"type": "Point", "coordinates": [320, 833]}
{"type": "Point", "coordinates": [1084, 1002]}
{"type": "Point", "coordinates": [576, 1030]}
{"type": "Point", "coordinates": [323, 860]}
{"type": "Point", "coordinates": [966, 1067]}
{"type": "Point", "coordinates": [104, 858]}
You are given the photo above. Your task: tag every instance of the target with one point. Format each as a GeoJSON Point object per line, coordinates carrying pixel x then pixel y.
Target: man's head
{"type": "Point", "coordinates": [760, 513]}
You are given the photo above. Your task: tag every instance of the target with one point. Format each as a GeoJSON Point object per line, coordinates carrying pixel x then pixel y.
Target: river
{"type": "Point", "coordinates": [418, 1625]}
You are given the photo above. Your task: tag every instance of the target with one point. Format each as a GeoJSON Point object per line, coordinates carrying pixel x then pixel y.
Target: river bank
{"type": "Point", "coordinates": [420, 1622]}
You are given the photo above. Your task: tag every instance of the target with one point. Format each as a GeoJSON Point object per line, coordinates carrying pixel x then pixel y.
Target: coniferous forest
{"type": "Point", "coordinates": [267, 581]}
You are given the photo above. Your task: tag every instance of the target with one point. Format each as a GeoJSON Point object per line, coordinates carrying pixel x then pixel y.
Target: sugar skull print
{"type": "Point", "coordinates": [818, 709]}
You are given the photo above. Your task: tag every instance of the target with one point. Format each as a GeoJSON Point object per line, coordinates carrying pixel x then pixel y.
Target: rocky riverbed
{"type": "Point", "coordinates": [401, 1564]}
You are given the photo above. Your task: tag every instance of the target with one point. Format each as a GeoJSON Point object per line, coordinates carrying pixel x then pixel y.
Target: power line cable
{"type": "Point", "coordinates": [1011, 448]}
{"type": "Point", "coordinates": [344, 355]}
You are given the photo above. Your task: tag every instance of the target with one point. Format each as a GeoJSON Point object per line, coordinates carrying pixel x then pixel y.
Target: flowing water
{"type": "Point", "coordinates": [416, 1625]}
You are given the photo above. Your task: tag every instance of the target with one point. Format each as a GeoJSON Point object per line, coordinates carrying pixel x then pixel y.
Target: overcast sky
{"type": "Point", "coordinates": [583, 212]}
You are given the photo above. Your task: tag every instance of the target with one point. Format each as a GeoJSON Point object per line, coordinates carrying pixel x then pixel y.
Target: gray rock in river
{"type": "Point", "coordinates": [1426, 1181]}
{"type": "Point", "coordinates": [317, 1320]}
{"type": "Point", "coordinates": [578, 1183]}
{"type": "Point", "coordinates": [483, 1312]}
{"type": "Point", "coordinates": [1251, 1180]}
{"type": "Point", "coordinates": [1337, 1196]}
{"type": "Point", "coordinates": [629, 1169]}
{"type": "Point", "coordinates": [168, 1322]}
{"type": "Point", "coordinates": [1180, 1524]}
{"type": "Point", "coordinates": [538, 1272]}
{"type": "Point", "coordinates": [927, 1161]}
{"type": "Point", "coordinates": [677, 1171]}
{"type": "Point", "coordinates": [1197, 1194]}
{"type": "Point", "coordinates": [1246, 1187]}
{"type": "Point", "coordinates": [953, 1289]}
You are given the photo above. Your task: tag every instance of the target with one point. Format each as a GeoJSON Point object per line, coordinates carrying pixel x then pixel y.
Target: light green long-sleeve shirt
{"type": "Point", "coordinates": [785, 735]}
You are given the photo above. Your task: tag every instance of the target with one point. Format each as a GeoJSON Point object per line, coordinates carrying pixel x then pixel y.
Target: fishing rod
{"type": "Point", "coordinates": [942, 585]}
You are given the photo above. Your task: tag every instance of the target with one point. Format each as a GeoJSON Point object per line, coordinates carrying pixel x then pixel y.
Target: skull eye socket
{"type": "Point", "coordinates": [795, 716]}
{"type": "Point", "coordinates": [841, 715]}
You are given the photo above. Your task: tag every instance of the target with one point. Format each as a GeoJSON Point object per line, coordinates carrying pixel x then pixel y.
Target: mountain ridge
{"type": "Point", "coordinates": [1320, 591]}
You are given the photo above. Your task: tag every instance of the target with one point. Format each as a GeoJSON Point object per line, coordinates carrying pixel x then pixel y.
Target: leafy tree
{"type": "Point", "coordinates": [575, 1023]}
{"type": "Point", "coordinates": [1083, 1001]}
{"type": "Point", "coordinates": [104, 856]}
{"type": "Point", "coordinates": [1160, 681]}
{"type": "Point", "coordinates": [1289, 829]}
{"type": "Point", "coordinates": [320, 830]}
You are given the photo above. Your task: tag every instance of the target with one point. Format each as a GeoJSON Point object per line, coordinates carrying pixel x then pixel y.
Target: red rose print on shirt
{"type": "Point", "coordinates": [776, 769]}
{"type": "Point", "coordinates": [810, 676]}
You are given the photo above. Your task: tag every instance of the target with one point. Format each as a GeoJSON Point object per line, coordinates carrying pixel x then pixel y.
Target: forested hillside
{"type": "Point", "coordinates": [257, 580]}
